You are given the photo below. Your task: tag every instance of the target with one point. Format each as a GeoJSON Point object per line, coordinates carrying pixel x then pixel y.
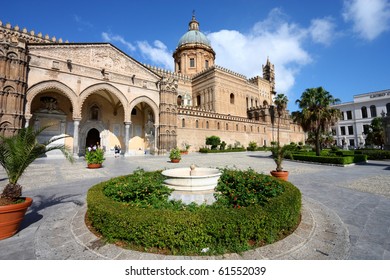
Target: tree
{"type": "Point", "coordinates": [213, 141]}
{"type": "Point", "coordinates": [376, 133]}
{"type": "Point", "coordinates": [19, 151]}
{"type": "Point", "coordinates": [316, 115]}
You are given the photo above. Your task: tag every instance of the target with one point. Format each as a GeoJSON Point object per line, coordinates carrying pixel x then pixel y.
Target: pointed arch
{"type": "Point", "coordinates": [149, 102]}
{"type": "Point", "coordinates": [105, 87]}
{"type": "Point", "coordinates": [34, 90]}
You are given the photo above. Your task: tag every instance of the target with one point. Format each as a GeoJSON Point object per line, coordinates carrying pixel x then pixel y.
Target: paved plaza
{"type": "Point", "coordinates": [346, 210]}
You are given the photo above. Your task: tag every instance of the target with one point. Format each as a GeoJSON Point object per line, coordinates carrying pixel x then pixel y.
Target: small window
{"type": "Point", "coordinates": [198, 99]}
{"type": "Point", "coordinates": [218, 127]}
{"type": "Point", "coordinates": [196, 124]}
{"type": "Point", "coordinates": [95, 113]}
{"type": "Point", "coordinates": [366, 128]}
{"type": "Point", "coordinates": [183, 123]}
{"type": "Point", "coordinates": [227, 126]}
{"type": "Point", "coordinates": [373, 111]}
{"type": "Point", "coordinates": [364, 112]}
{"type": "Point", "coordinates": [342, 116]}
{"type": "Point", "coordinates": [179, 100]}
{"type": "Point", "coordinates": [350, 130]}
{"type": "Point", "coordinates": [231, 98]}
{"type": "Point", "coordinates": [349, 115]}
{"type": "Point", "coordinates": [352, 142]}
{"type": "Point", "coordinates": [207, 124]}
{"type": "Point", "coordinates": [388, 109]}
{"type": "Point", "coordinates": [206, 63]}
{"type": "Point", "coordinates": [342, 130]}
{"type": "Point", "coordinates": [192, 62]}
{"type": "Point", "coordinates": [237, 127]}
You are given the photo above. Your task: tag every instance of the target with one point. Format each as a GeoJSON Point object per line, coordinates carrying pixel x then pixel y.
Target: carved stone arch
{"type": "Point", "coordinates": [9, 89]}
{"type": "Point", "coordinates": [85, 127]}
{"type": "Point", "coordinates": [33, 91]}
{"type": "Point", "coordinates": [12, 55]}
{"type": "Point", "coordinates": [106, 87]}
{"type": "Point", "coordinates": [148, 101]}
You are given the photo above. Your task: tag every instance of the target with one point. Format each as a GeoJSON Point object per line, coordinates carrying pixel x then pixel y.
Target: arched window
{"type": "Point", "coordinates": [388, 109]}
{"type": "Point", "coordinates": [373, 111]}
{"type": "Point", "coordinates": [231, 98]}
{"type": "Point", "coordinates": [237, 127]}
{"type": "Point", "coordinates": [179, 100]}
{"type": "Point", "coordinates": [198, 100]}
{"type": "Point", "coordinates": [364, 112]}
{"type": "Point", "coordinates": [247, 102]}
{"type": "Point", "coordinates": [183, 123]}
{"type": "Point", "coordinates": [94, 113]}
{"type": "Point", "coordinates": [207, 124]}
{"type": "Point", "coordinates": [218, 126]}
{"type": "Point", "coordinates": [197, 124]}
{"type": "Point", "coordinates": [227, 126]}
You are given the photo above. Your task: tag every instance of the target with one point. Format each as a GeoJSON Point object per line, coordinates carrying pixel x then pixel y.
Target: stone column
{"type": "Point", "coordinates": [76, 123]}
{"type": "Point", "coordinates": [127, 136]}
{"type": "Point", "coordinates": [155, 150]}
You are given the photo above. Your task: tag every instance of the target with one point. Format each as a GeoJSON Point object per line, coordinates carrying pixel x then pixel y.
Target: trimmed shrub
{"type": "Point", "coordinates": [331, 159]}
{"type": "Point", "coordinates": [218, 227]}
{"type": "Point", "coordinates": [375, 154]}
{"type": "Point", "coordinates": [205, 150]}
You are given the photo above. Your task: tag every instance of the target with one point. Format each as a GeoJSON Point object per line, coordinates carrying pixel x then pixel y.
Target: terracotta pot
{"type": "Point", "coordinates": [175, 160]}
{"type": "Point", "coordinates": [283, 175]}
{"type": "Point", "coordinates": [94, 165]}
{"type": "Point", "coordinates": [11, 216]}
{"type": "Point", "coordinates": [184, 152]}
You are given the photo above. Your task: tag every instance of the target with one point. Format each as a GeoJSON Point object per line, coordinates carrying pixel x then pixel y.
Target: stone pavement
{"type": "Point", "coordinates": [345, 215]}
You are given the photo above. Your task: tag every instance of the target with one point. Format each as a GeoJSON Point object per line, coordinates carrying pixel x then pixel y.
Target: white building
{"type": "Point", "coordinates": [357, 116]}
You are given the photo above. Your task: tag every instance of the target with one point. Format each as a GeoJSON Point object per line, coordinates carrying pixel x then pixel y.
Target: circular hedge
{"type": "Point", "coordinates": [186, 230]}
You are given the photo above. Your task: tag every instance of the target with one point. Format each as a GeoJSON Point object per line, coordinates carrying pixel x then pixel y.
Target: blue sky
{"type": "Point", "coordinates": [342, 45]}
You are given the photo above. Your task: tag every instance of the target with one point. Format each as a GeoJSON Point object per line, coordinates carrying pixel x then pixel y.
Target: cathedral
{"type": "Point", "coordinates": [98, 95]}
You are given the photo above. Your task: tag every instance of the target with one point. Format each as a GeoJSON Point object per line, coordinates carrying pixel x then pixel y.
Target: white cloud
{"type": "Point", "coordinates": [158, 53]}
{"type": "Point", "coordinates": [117, 38]}
{"type": "Point", "coordinates": [369, 18]}
{"type": "Point", "coordinates": [274, 37]}
{"type": "Point", "coordinates": [322, 30]}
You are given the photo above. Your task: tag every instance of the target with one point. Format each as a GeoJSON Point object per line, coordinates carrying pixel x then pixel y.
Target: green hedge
{"type": "Point", "coordinates": [375, 154]}
{"type": "Point", "coordinates": [342, 160]}
{"type": "Point", "coordinates": [206, 150]}
{"type": "Point", "coordinates": [221, 229]}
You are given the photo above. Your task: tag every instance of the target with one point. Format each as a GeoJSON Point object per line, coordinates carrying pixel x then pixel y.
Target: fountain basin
{"type": "Point", "coordinates": [192, 184]}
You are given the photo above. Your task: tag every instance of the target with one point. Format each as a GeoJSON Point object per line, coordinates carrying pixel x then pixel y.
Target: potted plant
{"type": "Point", "coordinates": [186, 148]}
{"type": "Point", "coordinates": [175, 155]}
{"type": "Point", "coordinates": [278, 151]}
{"type": "Point", "coordinates": [17, 152]}
{"type": "Point", "coordinates": [94, 157]}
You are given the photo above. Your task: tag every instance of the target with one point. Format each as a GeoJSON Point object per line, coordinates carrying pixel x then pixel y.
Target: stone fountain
{"type": "Point", "coordinates": [194, 184]}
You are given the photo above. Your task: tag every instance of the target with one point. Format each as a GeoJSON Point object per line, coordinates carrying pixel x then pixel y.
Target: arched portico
{"type": "Point", "coordinates": [102, 107]}
{"type": "Point", "coordinates": [143, 128]}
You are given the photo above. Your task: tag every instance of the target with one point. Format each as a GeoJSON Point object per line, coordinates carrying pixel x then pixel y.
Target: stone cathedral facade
{"type": "Point", "coordinates": [97, 94]}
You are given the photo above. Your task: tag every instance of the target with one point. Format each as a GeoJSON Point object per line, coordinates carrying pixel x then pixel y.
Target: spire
{"type": "Point", "coordinates": [194, 24]}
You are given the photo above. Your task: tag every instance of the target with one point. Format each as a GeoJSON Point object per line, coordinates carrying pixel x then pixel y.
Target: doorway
{"type": "Point", "coordinates": [93, 138]}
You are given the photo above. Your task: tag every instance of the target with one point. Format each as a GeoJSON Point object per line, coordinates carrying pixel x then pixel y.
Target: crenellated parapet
{"type": "Point", "coordinates": [165, 73]}
{"type": "Point", "coordinates": [7, 31]}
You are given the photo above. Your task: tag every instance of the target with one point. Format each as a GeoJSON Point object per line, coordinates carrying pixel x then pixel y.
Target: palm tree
{"type": "Point", "coordinates": [19, 151]}
{"type": "Point", "coordinates": [316, 116]}
{"type": "Point", "coordinates": [281, 105]}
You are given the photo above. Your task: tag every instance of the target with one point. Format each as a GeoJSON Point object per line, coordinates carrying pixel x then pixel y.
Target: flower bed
{"type": "Point", "coordinates": [251, 210]}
